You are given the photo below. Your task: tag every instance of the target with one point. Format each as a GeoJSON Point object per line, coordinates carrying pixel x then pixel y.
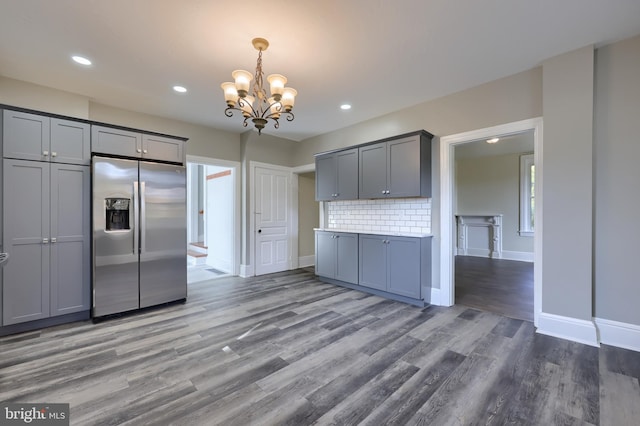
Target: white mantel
{"type": "Point", "coordinates": [480, 235]}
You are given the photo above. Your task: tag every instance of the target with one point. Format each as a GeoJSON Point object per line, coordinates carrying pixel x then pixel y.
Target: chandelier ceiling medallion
{"type": "Point", "coordinates": [257, 106]}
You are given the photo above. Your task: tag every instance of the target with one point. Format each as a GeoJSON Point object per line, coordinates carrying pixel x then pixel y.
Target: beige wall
{"type": "Point", "coordinates": [617, 177]}
{"type": "Point", "coordinates": [492, 185]}
{"type": "Point", "coordinates": [567, 186]}
{"type": "Point", "coordinates": [308, 214]}
{"type": "Point", "coordinates": [32, 96]}
{"type": "Point", "coordinates": [502, 101]}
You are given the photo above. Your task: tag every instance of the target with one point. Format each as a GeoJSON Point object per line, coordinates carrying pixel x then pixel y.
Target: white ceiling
{"type": "Point", "coordinates": [518, 143]}
{"type": "Point", "coordinates": [378, 55]}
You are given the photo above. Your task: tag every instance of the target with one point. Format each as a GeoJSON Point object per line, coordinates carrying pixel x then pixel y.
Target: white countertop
{"type": "Point", "coordinates": [390, 233]}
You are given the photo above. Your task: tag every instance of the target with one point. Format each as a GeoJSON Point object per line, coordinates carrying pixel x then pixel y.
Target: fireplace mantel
{"type": "Point", "coordinates": [480, 235]}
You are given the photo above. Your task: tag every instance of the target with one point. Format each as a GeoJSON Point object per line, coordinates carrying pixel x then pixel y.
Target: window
{"type": "Point", "coordinates": [527, 195]}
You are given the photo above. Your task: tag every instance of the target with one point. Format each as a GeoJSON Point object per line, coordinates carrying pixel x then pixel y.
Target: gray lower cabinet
{"type": "Point", "coordinates": [337, 256]}
{"type": "Point", "coordinates": [397, 265]}
{"type": "Point", "coordinates": [47, 235]}
{"type": "Point", "coordinates": [36, 137]}
{"type": "Point", "coordinates": [114, 141]}
{"type": "Point", "coordinates": [337, 176]}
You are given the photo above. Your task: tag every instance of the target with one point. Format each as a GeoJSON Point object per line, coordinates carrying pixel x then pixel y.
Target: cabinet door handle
{"type": "Point", "coordinates": [54, 154]}
{"type": "Point", "coordinates": [45, 153]}
{"type": "Point", "coordinates": [53, 240]}
{"type": "Point", "coordinates": [45, 241]}
{"type": "Point", "coordinates": [144, 151]}
{"type": "Point", "coordinates": [138, 150]}
{"type": "Point", "coordinates": [337, 195]}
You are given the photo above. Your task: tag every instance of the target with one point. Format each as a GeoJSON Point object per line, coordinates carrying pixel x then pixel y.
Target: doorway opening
{"type": "Point", "coordinates": [494, 202]}
{"type": "Point", "coordinates": [480, 224]}
{"type": "Point", "coordinates": [212, 219]}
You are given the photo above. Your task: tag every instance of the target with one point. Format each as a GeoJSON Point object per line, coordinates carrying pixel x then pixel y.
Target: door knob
{"type": "Point", "coordinates": [259, 231]}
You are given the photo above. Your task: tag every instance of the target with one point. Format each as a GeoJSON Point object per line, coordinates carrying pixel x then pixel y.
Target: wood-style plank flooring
{"type": "Point", "coordinates": [286, 349]}
{"type": "Point", "coordinates": [497, 285]}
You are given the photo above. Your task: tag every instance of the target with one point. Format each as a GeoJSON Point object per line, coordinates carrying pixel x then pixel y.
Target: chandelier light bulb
{"type": "Point", "coordinates": [230, 93]}
{"type": "Point", "coordinates": [276, 85]}
{"type": "Point", "coordinates": [289, 98]}
{"type": "Point", "coordinates": [243, 80]}
{"type": "Point", "coordinates": [246, 104]}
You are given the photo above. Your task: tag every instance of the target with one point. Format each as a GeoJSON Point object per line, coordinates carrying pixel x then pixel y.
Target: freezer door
{"type": "Point", "coordinates": [163, 233]}
{"type": "Point", "coordinates": [115, 236]}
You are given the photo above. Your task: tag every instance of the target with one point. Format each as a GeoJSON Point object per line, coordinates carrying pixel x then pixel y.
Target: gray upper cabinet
{"type": "Point", "coordinates": [107, 140]}
{"type": "Point", "coordinates": [396, 168]}
{"type": "Point", "coordinates": [397, 265]}
{"type": "Point", "coordinates": [70, 142]}
{"type": "Point", "coordinates": [36, 137]}
{"type": "Point", "coordinates": [163, 148]}
{"type": "Point", "coordinates": [25, 136]}
{"type": "Point", "coordinates": [337, 176]}
{"type": "Point", "coordinates": [337, 256]}
{"type": "Point", "coordinates": [373, 171]}
{"type": "Point", "coordinates": [47, 237]}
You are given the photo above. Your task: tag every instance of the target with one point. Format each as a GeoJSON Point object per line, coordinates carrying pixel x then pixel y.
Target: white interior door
{"type": "Point", "coordinates": [272, 216]}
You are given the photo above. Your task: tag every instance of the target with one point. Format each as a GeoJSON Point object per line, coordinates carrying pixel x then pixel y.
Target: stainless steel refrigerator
{"type": "Point", "coordinates": [139, 235]}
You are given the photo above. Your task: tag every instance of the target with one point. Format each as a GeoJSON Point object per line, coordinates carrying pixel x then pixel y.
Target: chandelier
{"type": "Point", "coordinates": [257, 106]}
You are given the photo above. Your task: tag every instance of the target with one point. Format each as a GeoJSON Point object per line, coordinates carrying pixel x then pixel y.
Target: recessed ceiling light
{"type": "Point", "coordinates": [345, 106]}
{"type": "Point", "coordinates": [180, 89]}
{"type": "Point", "coordinates": [81, 60]}
{"type": "Point", "coordinates": [493, 140]}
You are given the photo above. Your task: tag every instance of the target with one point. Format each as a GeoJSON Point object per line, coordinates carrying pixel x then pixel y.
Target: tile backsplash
{"type": "Point", "coordinates": [388, 215]}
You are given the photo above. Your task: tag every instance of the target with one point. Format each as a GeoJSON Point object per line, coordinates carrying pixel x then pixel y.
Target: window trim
{"type": "Point", "coordinates": [526, 161]}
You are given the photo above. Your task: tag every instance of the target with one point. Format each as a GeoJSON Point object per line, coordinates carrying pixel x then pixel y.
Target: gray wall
{"type": "Point", "coordinates": [308, 214]}
{"type": "Point", "coordinates": [617, 178]}
{"type": "Point", "coordinates": [492, 185]}
{"type": "Point", "coordinates": [567, 185]}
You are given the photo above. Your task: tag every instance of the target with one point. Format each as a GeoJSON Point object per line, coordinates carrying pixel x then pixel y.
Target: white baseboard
{"type": "Point", "coordinates": [220, 264]}
{"type": "Point", "coordinates": [576, 330]}
{"type": "Point", "coordinates": [304, 261]}
{"type": "Point", "coordinates": [246, 271]}
{"type": "Point", "coordinates": [618, 334]}
{"type": "Point", "coordinates": [522, 256]}
{"type": "Point", "coordinates": [432, 295]}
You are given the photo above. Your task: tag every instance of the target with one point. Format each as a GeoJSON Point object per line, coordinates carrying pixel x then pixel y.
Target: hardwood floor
{"type": "Point", "coordinates": [501, 286]}
{"type": "Point", "coordinates": [286, 349]}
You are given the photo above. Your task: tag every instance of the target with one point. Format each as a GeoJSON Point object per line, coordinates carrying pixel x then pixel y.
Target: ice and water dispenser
{"type": "Point", "coordinates": [117, 214]}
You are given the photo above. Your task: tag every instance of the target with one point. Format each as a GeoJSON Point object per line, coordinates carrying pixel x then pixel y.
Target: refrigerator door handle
{"type": "Point", "coordinates": [143, 216]}
{"type": "Point", "coordinates": [136, 216]}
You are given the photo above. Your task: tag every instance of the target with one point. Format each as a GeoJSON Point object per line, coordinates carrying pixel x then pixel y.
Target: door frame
{"type": "Point", "coordinates": [293, 248]}
{"type": "Point", "coordinates": [236, 167]}
{"type": "Point", "coordinates": [447, 228]}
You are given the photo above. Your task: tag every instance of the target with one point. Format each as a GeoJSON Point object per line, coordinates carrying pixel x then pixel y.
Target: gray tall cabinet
{"type": "Point", "coordinates": [45, 220]}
